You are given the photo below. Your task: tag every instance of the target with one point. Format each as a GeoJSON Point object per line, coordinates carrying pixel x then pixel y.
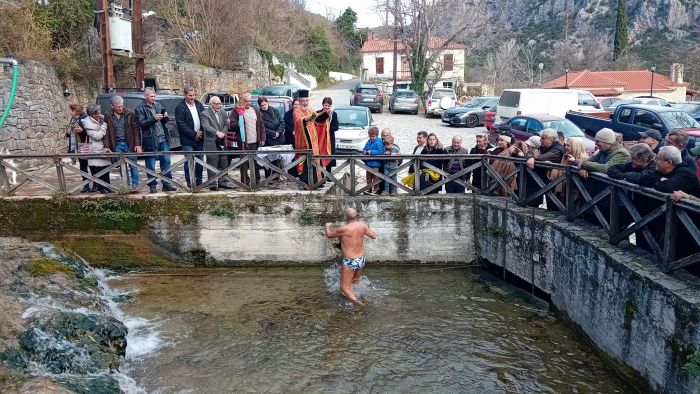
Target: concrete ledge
{"type": "Point", "coordinates": [628, 308]}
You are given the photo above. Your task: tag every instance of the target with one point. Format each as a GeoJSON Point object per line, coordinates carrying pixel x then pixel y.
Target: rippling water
{"type": "Point", "coordinates": [286, 329]}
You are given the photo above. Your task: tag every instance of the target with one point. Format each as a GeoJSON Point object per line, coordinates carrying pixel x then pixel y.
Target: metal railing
{"type": "Point", "coordinates": [618, 207]}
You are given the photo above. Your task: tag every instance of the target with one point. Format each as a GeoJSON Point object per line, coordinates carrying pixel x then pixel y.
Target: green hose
{"type": "Point", "coordinates": [15, 74]}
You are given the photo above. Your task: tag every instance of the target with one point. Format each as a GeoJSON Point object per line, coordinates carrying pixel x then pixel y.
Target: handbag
{"type": "Point", "coordinates": [84, 147]}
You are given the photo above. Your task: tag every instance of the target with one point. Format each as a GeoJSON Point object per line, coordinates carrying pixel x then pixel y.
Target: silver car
{"type": "Point", "coordinates": [404, 100]}
{"type": "Point", "coordinates": [353, 126]}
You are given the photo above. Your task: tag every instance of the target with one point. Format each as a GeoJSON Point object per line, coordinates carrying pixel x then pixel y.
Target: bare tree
{"type": "Point", "coordinates": [415, 23]}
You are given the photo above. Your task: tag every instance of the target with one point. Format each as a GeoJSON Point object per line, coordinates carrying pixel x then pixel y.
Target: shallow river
{"type": "Point", "coordinates": [424, 329]}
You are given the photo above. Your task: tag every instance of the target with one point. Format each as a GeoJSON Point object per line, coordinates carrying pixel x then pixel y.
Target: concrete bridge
{"type": "Point", "coordinates": [619, 296]}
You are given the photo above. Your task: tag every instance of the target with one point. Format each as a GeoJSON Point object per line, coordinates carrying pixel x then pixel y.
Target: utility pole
{"type": "Point", "coordinates": [396, 11]}
{"type": "Point", "coordinates": [137, 39]}
{"type": "Point", "coordinates": [106, 46]}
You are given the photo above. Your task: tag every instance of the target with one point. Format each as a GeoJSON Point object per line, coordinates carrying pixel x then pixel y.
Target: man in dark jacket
{"type": "Point", "coordinates": [550, 150]}
{"type": "Point", "coordinates": [679, 139]}
{"type": "Point", "coordinates": [215, 129]}
{"type": "Point", "coordinates": [671, 173]}
{"type": "Point", "coordinates": [481, 148]}
{"type": "Point", "coordinates": [652, 138]}
{"type": "Point", "coordinates": [454, 166]}
{"type": "Point", "coordinates": [642, 159]}
{"type": "Point", "coordinates": [189, 127]}
{"type": "Point", "coordinates": [153, 120]}
{"type": "Point", "coordinates": [124, 135]}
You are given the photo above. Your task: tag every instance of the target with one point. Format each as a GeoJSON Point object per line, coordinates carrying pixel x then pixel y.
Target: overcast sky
{"type": "Point", "coordinates": [366, 17]}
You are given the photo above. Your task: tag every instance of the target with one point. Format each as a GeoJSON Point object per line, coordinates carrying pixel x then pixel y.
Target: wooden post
{"type": "Point", "coordinates": [353, 178]}
{"type": "Point", "coordinates": [123, 170]}
{"type": "Point", "coordinates": [137, 40]}
{"type": "Point", "coordinates": [106, 45]}
{"type": "Point", "coordinates": [59, 173]}
{"type": "Point", "coordinates": [614, 215]}
{"type": "Point", "coordinates": [670, 231]}
{"type": "Point", "coordinates": [416, 177]}
{"type": "Point", "coordinates": [570, 201]}
{"type": "Point", "coordinates": [253, 171]}
{"type": "Point", "coordinates": [522, 183]}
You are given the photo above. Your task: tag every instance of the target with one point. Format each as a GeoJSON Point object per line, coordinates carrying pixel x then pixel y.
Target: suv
{"type": "Point", "coordinates": [439, 100]}
{"type": "Point", "coordinates": [228, 101]}
{"type": "Point", "coordinates": [288, 90]}
{"type": "Point", "coordinates": [281, 103]}
{"type": "Point", "coordinates": [135, 99]}
{"type": "Point", "coordinates": [368, 96]}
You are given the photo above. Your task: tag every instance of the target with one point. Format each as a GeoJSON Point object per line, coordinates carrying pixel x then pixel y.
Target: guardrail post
{"type": "Point", "coordinates": [416, 177]}
{"type": "Point", "coordinates": [614, 214]}
{"type": "Point", "coordinates": [484, 175]}
{"type": "Point", "coordinates": [123, 170]}
{"type": "Point", "coordinates": [253, 167]}
{"type": "Point", "coordinates": [189, 156]}
{"type": "Point", "coordinates": [670, 232]}
{"type": "Point", "coordinates": [310, 172]}
{"type": "Point", "coordinates": [353, 178]}
{"type": "Point", "coordinates": [59, 173]}
{"type": "Point", "coordinates": [4, 180]}
{"type": "Point", "coordinates": [570, 200]}
{"type": "Point", "coordinates": [522, 183]}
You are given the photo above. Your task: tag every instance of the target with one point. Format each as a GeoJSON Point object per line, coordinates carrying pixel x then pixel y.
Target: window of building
{"type": "Point", "coordinates": [448, 62]}
{"type": "Point", "coordinates": [380, 66]}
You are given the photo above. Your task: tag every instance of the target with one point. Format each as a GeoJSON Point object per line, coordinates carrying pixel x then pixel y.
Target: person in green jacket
{"type": "Point", "coordinates": [610, 153]}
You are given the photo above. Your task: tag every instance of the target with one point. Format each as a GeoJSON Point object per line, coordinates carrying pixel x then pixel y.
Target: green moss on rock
{"type": "Point", "coordinates": [43, 267]}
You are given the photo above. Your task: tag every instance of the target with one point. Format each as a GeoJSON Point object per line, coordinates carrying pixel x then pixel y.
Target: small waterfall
{"type": "Point", "coordinates": [68, 362]}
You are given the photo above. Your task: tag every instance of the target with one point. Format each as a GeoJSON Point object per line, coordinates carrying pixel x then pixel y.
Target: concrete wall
{"type": "Point", "coordinates": [290, 231]}
{"type": "Point", "coordinates": [642, 318]}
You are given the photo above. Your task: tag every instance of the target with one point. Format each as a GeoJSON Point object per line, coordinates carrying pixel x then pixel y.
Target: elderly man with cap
{"type": "Point", "coordinates": [551, 150]}
{"type": "Point", "coordinates": [652, 138]}
{"type": "Point", "coordinates": [308, 136]}
{"type": "Point", "coordinates": [610, 153]}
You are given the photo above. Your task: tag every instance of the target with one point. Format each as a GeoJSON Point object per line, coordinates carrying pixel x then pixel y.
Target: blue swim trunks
{"type": "Point", "coordinates": [354, 263]}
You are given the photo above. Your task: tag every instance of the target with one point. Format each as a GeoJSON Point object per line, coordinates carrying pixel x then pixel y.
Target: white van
{"type": "Point", "coordinates": [587, 101]}
{"type": "Point", "coordinates": [514, 102]}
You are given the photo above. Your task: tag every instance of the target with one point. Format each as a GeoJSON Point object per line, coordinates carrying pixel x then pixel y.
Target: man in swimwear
{"type": "Point", "coordinates": [351, 235]}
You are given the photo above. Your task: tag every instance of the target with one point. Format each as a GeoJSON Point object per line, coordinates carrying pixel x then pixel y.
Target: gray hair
{"type": "Point", "coordinates": [92, 109]}
{"type": "Point", "coordinates": [671, 153]}
{"type": "Point", "coordinates": [247, 96]}
{"type": "Point", "coordinates": [148, 90]}
{"type": "Point", "coordinates": [549, 133]}
{"type": "Point", "coordinates": [211, 99]}
{"type": "Point", "coordinates": [350, 213]}
{"type": "Point", "coordinates": [642, 152]}
{"type": "Point", "coordinates": [681, 136]}
{"type": "Point", "coordinates": [116, 100]}
{"type": "Point", "coordinates": [187, 88]}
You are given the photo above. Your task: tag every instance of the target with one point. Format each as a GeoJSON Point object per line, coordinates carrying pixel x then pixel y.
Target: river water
{"type": "Point", "coordinates": [423, 329]}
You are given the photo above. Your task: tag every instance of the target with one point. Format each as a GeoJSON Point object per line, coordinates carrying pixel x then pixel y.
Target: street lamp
{"type": "Point", "coordinates": [540, 67]}
{"type": "Point", "coordinates": [651, 88]}
{"type": "Point", "coordinates": [566, 78]}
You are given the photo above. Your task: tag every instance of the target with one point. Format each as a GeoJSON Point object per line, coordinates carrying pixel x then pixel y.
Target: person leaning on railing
{"type": "Point", "coordinates": [76, 136]}
{"type": "Point", "coordinates": [455, 165]}
{"type": "Point", "coordinates": [429, 177]}
{"type": "Point", "coordinates": [482, 147]}
{"type": "Point", "coordinates": [550, 151]}
{"type": "Point", "coordinates": [504, 167]}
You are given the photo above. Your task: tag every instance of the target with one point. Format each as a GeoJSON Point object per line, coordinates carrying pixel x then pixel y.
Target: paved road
{"type": "Point", "coordinates": [404, 126]}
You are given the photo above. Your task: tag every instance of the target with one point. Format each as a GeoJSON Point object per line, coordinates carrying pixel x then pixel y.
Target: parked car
{"type": "Point", "coordinates": [135, 99]}
{"type": "Point", "coordinates": [525, 126]}
{"type": "Point", "coordinates": [404, 100]}
{"type": "Point", "coordinates": [691, 107]}
{"type": "Point", "coordinates": [631, 119]}
{"type": "Point", "coordinates": [489, 119]}
{"type": "Point", "coordinates": [470, 114]}
{"type": "Point", "coordinates": [366, 95]}
{"type": "Point", "coordinates": [587, 102]}
{"type": "Point", "coordinates": [514, 102]}
{"type": "Point", "coordinates": [353, 124]}
{"type": "Point", "coordinates": [281, 103]}
{"type": "Point", "coordinates": [607, 101]}
{"type": "Point", "coordinates": [228, 101]}
{"type": "Point", "coordinates": [439, 100]}
{"type": "Point", "coordinates": [651, 100]}
{"type": "Point", "coordinates": [288, 90]}
{"type": "Point", "coordinates": [613, 106]}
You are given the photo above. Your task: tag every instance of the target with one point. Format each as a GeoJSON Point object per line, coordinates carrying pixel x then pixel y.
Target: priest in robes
{"type": "Point", "coordinates": [308, 134]}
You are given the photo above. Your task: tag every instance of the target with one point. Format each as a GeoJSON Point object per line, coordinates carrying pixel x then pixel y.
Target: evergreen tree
{"type": "Point", "coordinates": [620, 29]}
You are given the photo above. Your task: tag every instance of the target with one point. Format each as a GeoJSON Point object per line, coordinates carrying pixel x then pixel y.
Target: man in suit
{"type": "Point", "coordinates": [215, 128]}
{"type": "Point", "coordinates": [189, 126]}
{"type": "Point", "coordinates": [421, 140]}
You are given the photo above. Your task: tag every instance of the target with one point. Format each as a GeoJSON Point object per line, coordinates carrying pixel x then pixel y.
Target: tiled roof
{"type": "Point", "coordinates": [634, 81]}
{"type": "Point", "coordinates": [387, 44]}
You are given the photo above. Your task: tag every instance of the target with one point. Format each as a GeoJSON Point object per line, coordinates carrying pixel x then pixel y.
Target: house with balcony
{"type": "Point", "coordinates": [625, 84]}
{"type": "Point", "coordinates": [378, 62]}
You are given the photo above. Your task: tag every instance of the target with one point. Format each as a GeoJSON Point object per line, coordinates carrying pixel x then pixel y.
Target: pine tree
{"type": "Point", "coordinates": [620, 29]}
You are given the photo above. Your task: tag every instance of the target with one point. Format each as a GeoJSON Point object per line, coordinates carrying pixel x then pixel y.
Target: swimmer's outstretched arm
{"type": "Point", "coordinates": [330, 233]}
{"type": "Point", "coordinates": [369, 232]}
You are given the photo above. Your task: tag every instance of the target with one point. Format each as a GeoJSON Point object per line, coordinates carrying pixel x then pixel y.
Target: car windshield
{"type": "Point", "coordinates": [678, 120]}
{"type": "Point", "coordinates": [438, 94]}
{"type": "Point", "coordinates": [279, 106]}
{"type": "Point", "coordinates": [475, 103]}
{"type": "Point", "coordinates": [409, 94]}
{"type": "Point", "coordinates": [690, 108]}
{"type": "Point", "coordinates": [352, 117]}
{"type": "Point", "coordinates": [509, 99]}
{"type": "Point", "coordinates": [273, 91]}
{"type": "Point", "coordinates": [368, 90]}
{"type": "Point", "coordinates": [587, 99]}
{"type": "Point", "coordinates": [565, 126]}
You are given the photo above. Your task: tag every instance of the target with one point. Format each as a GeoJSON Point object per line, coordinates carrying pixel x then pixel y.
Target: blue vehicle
{"type": "Point", "coordinates": [691, 107]}
{"type": "Point", "coordinates": [631, 119]}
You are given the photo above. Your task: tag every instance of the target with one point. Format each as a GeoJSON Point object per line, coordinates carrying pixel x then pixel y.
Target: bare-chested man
{"type": "Point", "coordinates": [352, 241]}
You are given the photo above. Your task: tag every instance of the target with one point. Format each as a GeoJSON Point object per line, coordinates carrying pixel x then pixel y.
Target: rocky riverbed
{"type": "Point", "coordinates": [58, 332]}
